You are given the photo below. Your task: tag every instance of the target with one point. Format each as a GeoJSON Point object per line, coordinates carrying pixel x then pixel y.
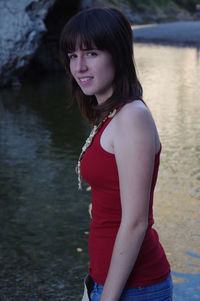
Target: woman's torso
{"type": "Point", "coordinates": [99, 168]}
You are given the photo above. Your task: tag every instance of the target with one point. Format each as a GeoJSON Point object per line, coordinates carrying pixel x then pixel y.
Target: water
{"type": "Point", "coordinates": [44, 219]}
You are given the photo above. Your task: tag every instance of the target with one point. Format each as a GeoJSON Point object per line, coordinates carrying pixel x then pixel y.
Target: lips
{"type": "Point", "coordinates": [85, 80]}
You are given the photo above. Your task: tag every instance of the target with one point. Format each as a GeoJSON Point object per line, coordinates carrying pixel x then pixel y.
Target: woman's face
{"type": "Point", "coordinates": [93, 70]}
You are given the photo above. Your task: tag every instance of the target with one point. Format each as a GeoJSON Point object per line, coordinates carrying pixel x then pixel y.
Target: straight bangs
{"type": "Point", "coordinates": [77, 38]}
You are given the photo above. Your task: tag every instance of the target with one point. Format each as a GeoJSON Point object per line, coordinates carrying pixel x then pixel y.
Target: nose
{"type": "Point", "coordinates": [81, 65]}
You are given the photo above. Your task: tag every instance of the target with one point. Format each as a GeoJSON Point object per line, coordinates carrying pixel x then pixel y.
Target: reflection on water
{"type": "Point", "coordinates": [44, 219]}
{"type": "Point", "coordinates": [171, 79]}
{"type": "Point", "coordinates": [186, 286]}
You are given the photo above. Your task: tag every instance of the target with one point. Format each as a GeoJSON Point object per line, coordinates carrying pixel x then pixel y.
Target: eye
{"type": "Point", "coordinates": [91, 53]}
{"type": "Point", "coordinates": [71, 56]}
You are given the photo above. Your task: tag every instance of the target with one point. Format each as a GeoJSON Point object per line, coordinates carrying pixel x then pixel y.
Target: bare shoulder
{"type": "Point", "coordinates": [134, 121]}
{"type": "Point", "coordinates": [135, 114]}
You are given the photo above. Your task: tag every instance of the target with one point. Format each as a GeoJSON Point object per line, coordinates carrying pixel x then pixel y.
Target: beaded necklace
{"type": "Point", "coordinates": [88, 143]}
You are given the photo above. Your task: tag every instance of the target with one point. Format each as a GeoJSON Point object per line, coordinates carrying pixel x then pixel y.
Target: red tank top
{"type": "Point", "coordinates": [99, 169]}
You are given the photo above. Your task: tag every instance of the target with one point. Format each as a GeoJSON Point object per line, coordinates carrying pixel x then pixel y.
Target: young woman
{"type": "Point", "coordinates": [120, 159]}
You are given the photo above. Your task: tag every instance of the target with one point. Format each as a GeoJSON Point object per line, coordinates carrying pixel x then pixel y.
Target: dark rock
{"type": "Point", "coordinates": [21, 29]}
{"type": "Point", "coordinates": [86, 3]}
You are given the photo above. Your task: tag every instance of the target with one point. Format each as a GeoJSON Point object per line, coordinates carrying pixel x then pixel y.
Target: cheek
{"type": "Point", "coordinates": [110, 72]}
{"type": "Point", "coordinates": [110, 68]}
{"type": "Point", "coordinates": [71, 67]}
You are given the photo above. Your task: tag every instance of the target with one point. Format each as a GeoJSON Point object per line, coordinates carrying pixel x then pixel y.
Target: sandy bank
{"type": "Point", "coordinates": [174, 33]}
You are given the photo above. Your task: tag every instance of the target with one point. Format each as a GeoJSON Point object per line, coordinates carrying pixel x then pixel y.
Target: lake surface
{"type": "Point", "coordinates": [44, 219]}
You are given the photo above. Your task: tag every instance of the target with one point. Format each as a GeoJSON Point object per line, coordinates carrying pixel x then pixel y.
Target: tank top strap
{"type": "Point", "coordinates": [105, 124]}
{"type": "Point", "coordinates": [107, 121]}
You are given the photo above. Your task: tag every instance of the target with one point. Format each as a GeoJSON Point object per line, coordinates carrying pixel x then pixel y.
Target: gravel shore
{"type": "Point", "coordinates": [174, 33]}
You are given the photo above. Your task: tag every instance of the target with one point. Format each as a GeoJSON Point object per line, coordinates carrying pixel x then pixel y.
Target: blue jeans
{"type": "Point", "coordinates": [161, 291]}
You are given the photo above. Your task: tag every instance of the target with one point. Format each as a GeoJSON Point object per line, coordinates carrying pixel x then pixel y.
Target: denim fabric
{"type": "Point", "coordinates": [158, 292]}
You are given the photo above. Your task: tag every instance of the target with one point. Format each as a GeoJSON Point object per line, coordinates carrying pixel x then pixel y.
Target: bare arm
{"type": "Point", "coordinates": [134, 147]}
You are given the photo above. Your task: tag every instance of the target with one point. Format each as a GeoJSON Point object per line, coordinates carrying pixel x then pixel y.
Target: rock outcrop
{"type": "Point", "coordinates": [21, 29]}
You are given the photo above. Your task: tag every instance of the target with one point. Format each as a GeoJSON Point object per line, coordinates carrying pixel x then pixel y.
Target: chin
{"type": "Point", "coordinates": [87, 93]}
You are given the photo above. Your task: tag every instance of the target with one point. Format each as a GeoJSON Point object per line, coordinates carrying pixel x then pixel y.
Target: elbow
{"type": "Point", "coordinates": [139, 225]}
{"type": "Point", "coordinates": [143, 226]}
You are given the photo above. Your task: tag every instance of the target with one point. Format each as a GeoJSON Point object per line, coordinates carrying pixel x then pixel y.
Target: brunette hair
{"type": "Point", "coordinates": [108, 29]}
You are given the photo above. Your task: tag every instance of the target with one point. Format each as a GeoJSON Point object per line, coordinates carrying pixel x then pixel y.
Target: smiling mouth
{"type": "Point", "coordinates": [84, 80]}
